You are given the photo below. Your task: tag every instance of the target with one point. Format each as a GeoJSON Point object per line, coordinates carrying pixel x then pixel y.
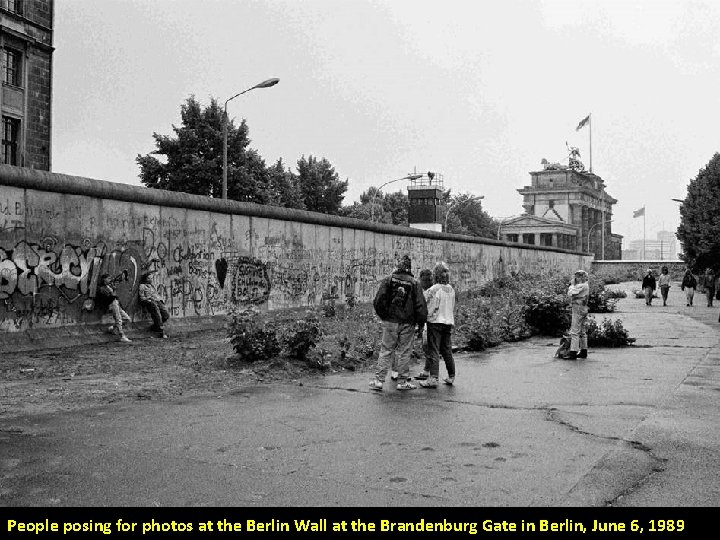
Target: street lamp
{"type": "Point", "coordinates": [265, 84]}
{"type": "Point", "coordinates": [414, 176]}
{"type": "Point", "coordinates": [590, 232]}
{"type": "Point", "coordinates": [473, 198]}
{"type": "Point", "coordinates": [681, 201]}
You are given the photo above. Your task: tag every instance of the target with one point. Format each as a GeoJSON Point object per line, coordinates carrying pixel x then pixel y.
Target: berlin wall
{"type": "Point", "coordinates": [59, 234]}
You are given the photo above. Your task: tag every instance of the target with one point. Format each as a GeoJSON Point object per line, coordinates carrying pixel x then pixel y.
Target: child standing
{"type": "Point", "coordinates": [440, 322]}
{"type": "Point", "coordinates": [150, 300]}
{"type": "Point", "coordinates": [108, 301]}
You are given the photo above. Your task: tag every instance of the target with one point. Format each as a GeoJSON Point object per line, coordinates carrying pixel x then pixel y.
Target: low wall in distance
{"type": "Point", "coordinates": [635, 270]}
{"type": "Point", "coordinates": [59, 234]}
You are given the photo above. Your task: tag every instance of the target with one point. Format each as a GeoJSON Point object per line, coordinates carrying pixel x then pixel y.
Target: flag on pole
{"type": "Point", "coordinates": [582, 123]}
{"type": "Point", "coordinates": [639, 212]}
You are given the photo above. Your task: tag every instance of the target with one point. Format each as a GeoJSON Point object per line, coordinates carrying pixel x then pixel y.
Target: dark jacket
{"type": "Point", "coordinates": [688, 281]}
{"type": "Point", "coordinates": [105, 297]}
{"type": "Point", "coordinates": [400, 299]}
{"type": "Point", "coordinates": [649, 281]}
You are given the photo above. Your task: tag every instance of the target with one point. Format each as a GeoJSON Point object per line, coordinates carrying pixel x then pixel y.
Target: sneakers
{"type": "Point", "coordinates": [449, 380]}
{"type": "Point", "coordinates": [430, 382]}
{"type": "Point", "coordinates": [111, 329]}
{"type": "Point", "coordinates": [164, 335]}
{"type": "Point", "coordinates": [394, 375]}
{"type": "Point", "coordinates": [376, 385]}
{"type": "Point", "coordinates": [124, 339]}
{"type": "Point", "coordinates": [407, 385]}
{"type": "Point", "coordinates": [422, 375]}
{"type": "Point", "coordinates": [582, 353]}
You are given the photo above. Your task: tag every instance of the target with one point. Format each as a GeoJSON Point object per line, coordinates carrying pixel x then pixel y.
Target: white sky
{"type": "Point", "coordinates": [479, 91]}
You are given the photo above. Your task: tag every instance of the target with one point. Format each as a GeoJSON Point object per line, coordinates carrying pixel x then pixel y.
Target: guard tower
{"type": "Point", "coordinates": [426, 204]}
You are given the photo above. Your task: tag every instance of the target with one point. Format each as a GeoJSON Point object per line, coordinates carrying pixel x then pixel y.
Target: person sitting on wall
{"type": "Point", "coordinates": [107, 300]}
{"type": "Point", "coordinates": [150, 300]}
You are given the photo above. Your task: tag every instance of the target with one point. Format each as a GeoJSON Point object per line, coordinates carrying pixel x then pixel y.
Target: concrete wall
{"type": "Point", "coordinates": [635, 270]}
{"type": "Point", "coordinates": [59, 233]}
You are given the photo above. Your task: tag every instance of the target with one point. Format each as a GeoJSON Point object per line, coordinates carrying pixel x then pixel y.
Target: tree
{"type": "Point", "coordinates": [193, 157]}
{"type": "Point", "coordinates": [699, 230]}
{"type": "Point", "coordinates": [380, 206]}
{"type": "Point", "coordinates": [283, 187]}
{"type": "Point", "coordinates": [468, 217]}
{"type": "Point", "coordinates": [320, 186]}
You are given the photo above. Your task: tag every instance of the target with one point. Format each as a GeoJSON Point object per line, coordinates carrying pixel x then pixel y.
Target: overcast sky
{"type": "Point", "coordinates": [479, 91]}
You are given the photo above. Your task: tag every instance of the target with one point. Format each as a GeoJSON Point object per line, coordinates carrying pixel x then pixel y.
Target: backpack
{"type": "Point", "coordinates": [394, 298]}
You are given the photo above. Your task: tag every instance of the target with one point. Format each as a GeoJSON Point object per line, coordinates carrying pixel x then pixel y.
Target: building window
{"type": "Point", "coordinates": [11, 132]}
{"type": "Point", "coordinates": [11, 71]}
{"type": "Point", "coordinates": [16, 6]}
{"type": "Point", "coordinates": [511, 237]}
{"type": "Point", "coordinates": [528, 239]}
{"type": "Point", "coordinates": [546, 239]}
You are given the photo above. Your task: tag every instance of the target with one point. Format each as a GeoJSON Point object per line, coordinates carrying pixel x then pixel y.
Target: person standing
{"type": "Point", "coordinates": [709, 282]}
{"type": "Point", "coordinates": [108, 301]}
{"type": "Point", "coordinates": [648, 286]}
{"type": "Point", "coordinates": [400, 304]}
{"type": "Point", "coordinates": [664, 284]}
{"type": "Point", "coordinates": [426, 281]}
{"type": "Point", "coordinates": [441, 319]}
{"type": "Point", "coordinates": [150, 300]}
{"type": "Point", "coordinates": [688, 285]}
{"type": "Point", "coordinates": [579, 291]}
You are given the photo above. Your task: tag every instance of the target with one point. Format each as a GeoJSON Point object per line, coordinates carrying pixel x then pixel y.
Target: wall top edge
{"type": "Point", "coordinates": [34, 179]}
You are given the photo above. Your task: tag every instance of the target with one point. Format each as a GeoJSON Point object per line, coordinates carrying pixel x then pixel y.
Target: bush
{"type": "Point", "coordinates": [607, 333]}
{"type": "Point", "coordinates": [548, 313]}
{"type": "Point", "coordinates": [302, 336]}
{"type": "Point", "coordinates": [251, 338]}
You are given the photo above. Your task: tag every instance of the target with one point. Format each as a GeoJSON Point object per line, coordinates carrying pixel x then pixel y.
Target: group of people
{"type": "Point", "coordinates": [709, 282]}
{"type": "Point", "coordinates": [108, 301]}
{"type": "Point", "coordinates": [409, 308]}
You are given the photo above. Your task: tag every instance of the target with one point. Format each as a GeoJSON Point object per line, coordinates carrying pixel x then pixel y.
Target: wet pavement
{"type": "Point", "coordinates": [635, 426]}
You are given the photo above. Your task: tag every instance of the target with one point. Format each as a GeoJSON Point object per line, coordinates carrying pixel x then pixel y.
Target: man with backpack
{"type": "Point", "coordinates": [400, 304]}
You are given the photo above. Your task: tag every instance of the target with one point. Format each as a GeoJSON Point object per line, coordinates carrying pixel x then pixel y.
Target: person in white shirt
{"type": "Point", "coordinates": [440, 299]}
{"type": "Point", "coordinates": [579, 291]}
{"type": "Point", "coordinates": [664, 284]}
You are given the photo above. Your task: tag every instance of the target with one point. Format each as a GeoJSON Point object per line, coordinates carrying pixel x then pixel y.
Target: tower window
{"type": "Point", "coordinates": [15, 6]}
{"type": "Point", "coordinates": [11, 71]}
{"type": "Point", "coordinates": [11, 130]}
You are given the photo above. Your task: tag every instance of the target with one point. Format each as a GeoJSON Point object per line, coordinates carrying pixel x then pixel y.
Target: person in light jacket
{"type": "Point", "coordinates": [579, 291]}
{"type": "Point", "coordinates": [664, 284]}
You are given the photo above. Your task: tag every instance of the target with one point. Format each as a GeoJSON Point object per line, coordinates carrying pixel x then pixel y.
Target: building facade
{"type": "Point", "coordinates": [664, 248]}
{"type": "Point", "coordinates": [26, 40]}
{"type": "Point", "coordinates": [566, 208]}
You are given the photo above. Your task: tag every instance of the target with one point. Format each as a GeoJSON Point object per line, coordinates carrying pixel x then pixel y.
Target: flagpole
{"type": "Point", "coordinates": [643, 233]}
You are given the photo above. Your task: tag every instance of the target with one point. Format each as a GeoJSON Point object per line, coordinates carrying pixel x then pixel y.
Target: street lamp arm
{"type": "Point", "coordinates": [377, 192]}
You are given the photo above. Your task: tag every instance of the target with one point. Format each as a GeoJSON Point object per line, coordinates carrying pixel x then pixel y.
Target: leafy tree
{"type": "Point", "coordinates": [320, 186]}
{"type": "Point", "coordinates": [383, 207]}
{"type": "Point", "coordinates": [193, 157]}
{"type": "Point", "coordinates": [699, 229]}
{"type": "Point", "coordinates": [283, 189]}
{"type": "Point", "coordinates": [468, 217]}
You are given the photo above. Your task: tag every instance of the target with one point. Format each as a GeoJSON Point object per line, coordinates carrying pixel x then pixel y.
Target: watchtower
{"type": "Point", "coordinates": [427, 207]}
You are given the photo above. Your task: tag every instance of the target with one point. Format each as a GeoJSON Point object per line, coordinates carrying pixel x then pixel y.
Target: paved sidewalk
{"type": "Point", "coordinates": [634, 426]}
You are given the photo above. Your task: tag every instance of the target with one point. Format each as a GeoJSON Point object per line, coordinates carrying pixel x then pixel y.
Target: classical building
{"type": "Point", "coordinates": [26, 39]}
{"type": "Point", "coordinates": [566, 208]}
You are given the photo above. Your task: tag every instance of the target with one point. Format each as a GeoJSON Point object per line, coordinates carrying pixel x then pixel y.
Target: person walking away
{"type": "Point", "coordinates": [426, 281]}
{"type": "Point", "coordinates": [150, 300]}
{"type": "Point", "coordinates": [664, 284]}
{"type": "Point", "coordinates": [710, 286]}
{"type": "Point", "coordinates": [688, 285]}
{"type": "Point", "coordinates": [400, 304]}
{"type": "Point", "coordinates": [441, 319]}
{"type": "Point", "coordinates": [648, 286]}
{"type": "Point", "coordinates": [578, 291]}
{"type": "Point", "coordinates": [108, 301]}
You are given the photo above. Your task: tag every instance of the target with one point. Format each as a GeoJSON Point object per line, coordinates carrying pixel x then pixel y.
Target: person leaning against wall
{"type": "Point", "coordinates": [579, 291]}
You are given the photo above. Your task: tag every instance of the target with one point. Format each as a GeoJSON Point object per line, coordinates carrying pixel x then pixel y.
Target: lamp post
{"type": "Point", "coordinates": [590, 230]}
{"type": "Point", "coordinates": [456, 203]}
{"type": "Point", "coordinates": [265, 84]}
{"type": "Point", "coordinates": [413, 176]}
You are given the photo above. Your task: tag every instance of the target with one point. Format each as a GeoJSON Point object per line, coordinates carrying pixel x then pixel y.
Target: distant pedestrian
{"type": "Point", "coordinates": [150, 300]}
{"type": "Point", "coordinates": [441, 319]}
{"type": "Point", "coordinates": [688, 285]}
{"type": "Point", "coordinates": [664, 284]}
{"type": "Point", "coordinates": [108, 301]}
{"type": "Point", "coordinates": [579, 291]}
{"type": "Point", "coordinates": [426, 281]}
{"type": "Point", "coordinates": [648, 286]}
{"type": "Point", "coordinates": [709, 283]}
{"type": "Point", "coordinates": [400, 304]}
